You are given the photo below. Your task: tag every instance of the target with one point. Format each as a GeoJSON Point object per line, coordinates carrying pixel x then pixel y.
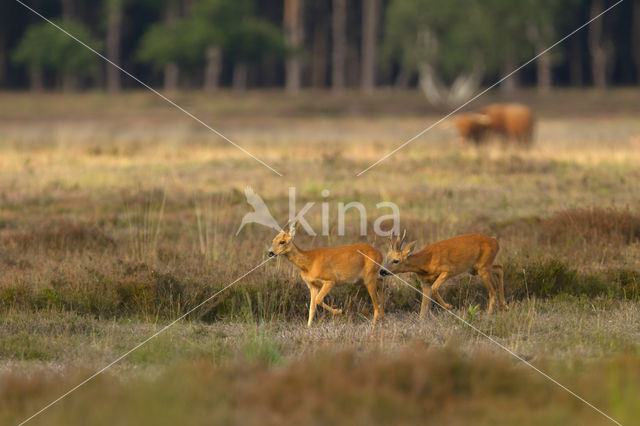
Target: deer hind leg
{"type": "Point", "coordinates": [326, 288]}
{"type": "Point", "coordinates": [313, 290]}
{"type": "Point", "coordinates": [486, 276]}
{"type": "Point", "coordinates": [372, 288]}
{"type": "Point", "coordinates": [380, 292]}
{"type": "Point", "coordinates": [434, 288]}
{"type": "Point", "coordinates": [426, 298]}
{"type": "Point", "coordinates": [499, 284]}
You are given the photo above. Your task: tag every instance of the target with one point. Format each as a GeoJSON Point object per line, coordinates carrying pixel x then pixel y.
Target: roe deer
{"type": "Point", "coordinates": [436, 263]}
{"type": "Point", "coordinates": [325, 267]}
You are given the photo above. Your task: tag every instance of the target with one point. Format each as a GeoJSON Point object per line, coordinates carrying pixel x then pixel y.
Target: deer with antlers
{"type": "Point", "coordinates": [436, 263]}
{"type": "Point", "coordinates": [325, 267]}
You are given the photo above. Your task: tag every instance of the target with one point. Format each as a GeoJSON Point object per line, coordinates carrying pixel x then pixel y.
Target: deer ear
{"type": "Point", "coordinates": [409, 248]}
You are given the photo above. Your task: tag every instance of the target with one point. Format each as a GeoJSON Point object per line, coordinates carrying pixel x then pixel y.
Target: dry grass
{"type": "Point", "coordinates": [562, 328]}
{"type": "Point", "coordinates": [584, 226]}
{"type": "Point", "coordinates": [119, 214]}
{"type": "Point", "coordinates": [409, 387]}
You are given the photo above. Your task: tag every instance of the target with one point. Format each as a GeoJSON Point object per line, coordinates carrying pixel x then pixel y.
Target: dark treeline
{"type": "Point", "coordinates": [446, 47]}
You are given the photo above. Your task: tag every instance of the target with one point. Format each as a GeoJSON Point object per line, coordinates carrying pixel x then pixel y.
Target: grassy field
{"type": "Point", "coordinates": [118, 215]}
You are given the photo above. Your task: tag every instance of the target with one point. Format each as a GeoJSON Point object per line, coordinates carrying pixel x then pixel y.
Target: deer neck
{"type": "Point", "coordinates": [298, 257]}
{"type": "Point", "coordinates": [416, 263]}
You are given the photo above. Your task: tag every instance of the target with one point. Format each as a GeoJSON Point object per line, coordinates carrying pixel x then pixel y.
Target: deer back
{"type": "Point", "coordinates": [455, 255]}
{"type": "Point", "coordinates": [344, 263]}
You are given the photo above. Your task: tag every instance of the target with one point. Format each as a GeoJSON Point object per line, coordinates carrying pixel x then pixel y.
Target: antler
{"type": "Point", "coordinates": [400, 241]}
{"type": "Point", "coordinates": [397, 243]}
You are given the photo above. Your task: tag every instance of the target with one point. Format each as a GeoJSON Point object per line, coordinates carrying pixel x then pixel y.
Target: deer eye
{"type": "Point", "coordinates": [281, 242]}
{"type": "Point", "coordinates": [396, 261]}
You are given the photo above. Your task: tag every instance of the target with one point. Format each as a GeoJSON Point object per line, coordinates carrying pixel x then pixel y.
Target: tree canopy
{"type": "Point", "coordinates": [229, 25]}
{"type": "Point", "coordinates": [454, 36]}
{"type": "Point", "coordinates": [445, 43]}
{"type": "Point", "coordinates": [44, 47]}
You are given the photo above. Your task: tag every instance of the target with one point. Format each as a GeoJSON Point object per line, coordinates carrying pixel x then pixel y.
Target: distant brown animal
{"type": "Point", "coordinates": [436, 263]}
{"type": "Point", "coordinates": [511, 121]}
{"type": "Point", "coordinates": [472, 127]}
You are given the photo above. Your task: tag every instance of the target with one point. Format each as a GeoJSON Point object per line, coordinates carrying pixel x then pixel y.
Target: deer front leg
{"type": "Point", "coordinates": [426, 297]}
{"type": "Point", "coordinates": [380, 299]}
{"type": "Point", "coordinates": [326, 287]}
{"type": "Point", "coordinates": [313, 291]}
{"type": "Point", "coordinates": [434, 288]}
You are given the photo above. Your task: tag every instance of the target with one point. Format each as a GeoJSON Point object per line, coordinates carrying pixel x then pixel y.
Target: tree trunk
{"type": "Point", "coordinates": [294, 35]}
{"type": "Point", "coordinates": [171, 77]}
{"type": "Point", "coordinates": [5, 18]}
{"type": "Point", "coordinates": [369, 44]}
{"type": "Point", "coordinates": [540, 35]}
{"type": "Point", "coordinates": [339, 45]}
{"type": "Point", "coordinates": [114, 34]}
{"type": "Point", "coordinates": [352, 77]}
{"type": "Point", "coordinates": [36, 80]}
{"type": "Point", "coordinates": [402, 79]}
{"type": "Point", "coordinates": [212, 69]}
{"type": "Point", "coordinates": [68, 10]}
{"type": "Point", "coordinates": [171, 70]}
{"type": "Point", "coordinates": [576, 76]}
{"type": "Point", "coordinates": [635, 38]}
{"type": "Point", "coordinates": [3, 59]}
{"type": "Point", "coordinates": [319, 56]}
{"type": "Point", "coordinates": [598, 47]}
{"type": "Point", "coordinates": [543, 71]}
{"type": "Point", "coordinates": [511, 84]}
{"type": "Point", "coordinates": [239, 77]}
{"type": "Point", "coordinates": [69, 82]}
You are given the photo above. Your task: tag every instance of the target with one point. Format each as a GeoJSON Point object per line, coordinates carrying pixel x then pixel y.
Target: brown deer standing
{"type": "Point", "coordinates": [513, 122]}
{"type": "Point", "coordinates": [325, 267]}
{"type": "Point", "coordinates": [436, 263]}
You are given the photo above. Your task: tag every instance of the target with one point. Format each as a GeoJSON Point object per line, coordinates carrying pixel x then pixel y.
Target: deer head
{"type": "Point", "coordinates": [397, 254]}
{"type": "Point", "coordinates": [283, 242]}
